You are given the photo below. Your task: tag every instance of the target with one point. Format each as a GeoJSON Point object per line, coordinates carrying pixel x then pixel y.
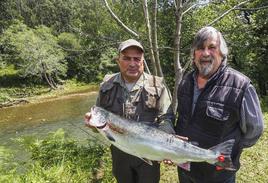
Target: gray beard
{"type": "Point", "coordinates": [205, 70]}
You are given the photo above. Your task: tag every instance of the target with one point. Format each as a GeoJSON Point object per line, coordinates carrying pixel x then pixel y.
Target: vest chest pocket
{"type": "Point", "coordinates": [217, 112]}
{"type": "Point", "coordinates": [150, 97]}
{"type": "Point", "coordinates": [106, 98]}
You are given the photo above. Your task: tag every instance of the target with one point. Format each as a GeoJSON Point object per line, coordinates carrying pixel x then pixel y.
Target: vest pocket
{"type": "Point", "coordinates": [106, 98]}
{"type": "Point", "coordinates": [216, 111]}
{"type": "Point", "coordinates": [151, 97]}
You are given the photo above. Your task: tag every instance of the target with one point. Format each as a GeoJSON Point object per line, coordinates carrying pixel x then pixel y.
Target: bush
{"type": "Point", "coordinates": [264, 104]}
{"type": "Point", "coordinates": [59, 158]}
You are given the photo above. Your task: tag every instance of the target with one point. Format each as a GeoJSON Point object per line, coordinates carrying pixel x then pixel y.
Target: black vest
{"type": "Point", "coordinates": [215, 119]}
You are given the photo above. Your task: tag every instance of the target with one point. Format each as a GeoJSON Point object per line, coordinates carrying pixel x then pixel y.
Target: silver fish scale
{"type": "Point", "coordinates": [144, 141]}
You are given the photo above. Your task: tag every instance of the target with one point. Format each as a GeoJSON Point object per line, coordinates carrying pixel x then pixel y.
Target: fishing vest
{"type": "Point", "coordinates": [111, 98]}
{"type": "Point", "coordinates": [215, 119]}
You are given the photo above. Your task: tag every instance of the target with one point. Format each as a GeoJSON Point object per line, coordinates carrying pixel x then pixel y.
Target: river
{"type": "Point", "coordinates": [40, 118]}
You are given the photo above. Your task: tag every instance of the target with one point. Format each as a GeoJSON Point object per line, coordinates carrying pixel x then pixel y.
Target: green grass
{"type": "Point", "coordinates": [60, 159]}
{"type": "Point", "coordinates": [254, 162]}
{"type": "Point", "coordinates": [56, 159]}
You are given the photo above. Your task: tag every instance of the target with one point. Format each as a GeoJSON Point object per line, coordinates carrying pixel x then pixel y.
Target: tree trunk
{"type": "Point", "coordinates": [53, 81]}
{"type": "Point", "coordinates": [154, 40]}
{"type": "Point", "coordinates": [149, 36]}
{"type": "Point", "coordinates": [47, 77]}
{"type": "Point", "coordinates": [178, 69]}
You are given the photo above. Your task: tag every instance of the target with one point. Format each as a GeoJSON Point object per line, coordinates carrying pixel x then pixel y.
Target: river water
{"type": "Point", "coordinates": [39, 119]}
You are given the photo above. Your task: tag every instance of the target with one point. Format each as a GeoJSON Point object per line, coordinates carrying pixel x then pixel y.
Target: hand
{"type": "Point", "coordinates": [167, 162]}
{"type": "Point", "coordinates": [87, 120]}
{"type": "Point", "coordinates": [182, 137]}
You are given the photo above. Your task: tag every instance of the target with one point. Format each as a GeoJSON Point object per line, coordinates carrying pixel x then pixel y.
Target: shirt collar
{"type": "Point", "coordinates": [140, 83]}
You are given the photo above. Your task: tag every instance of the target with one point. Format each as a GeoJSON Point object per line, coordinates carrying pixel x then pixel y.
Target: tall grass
{"type": "Point", "coordinates": [57, 158]}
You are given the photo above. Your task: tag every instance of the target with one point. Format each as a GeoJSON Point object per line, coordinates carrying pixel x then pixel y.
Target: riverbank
{"type": "Point", "coordinates": [14, 96]}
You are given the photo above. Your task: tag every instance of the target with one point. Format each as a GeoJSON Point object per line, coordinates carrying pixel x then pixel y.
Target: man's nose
{"type": "Point", "coordinates": [132, 63]}
{"type": "Point", "coordinates": [206, 52]}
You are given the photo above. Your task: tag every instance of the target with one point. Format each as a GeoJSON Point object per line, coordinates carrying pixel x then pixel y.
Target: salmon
{"type": "Point", "coordinates": [152, 144]}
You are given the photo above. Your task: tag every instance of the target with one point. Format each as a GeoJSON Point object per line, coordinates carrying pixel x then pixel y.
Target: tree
{"type": "Point", "coordinates": [37, 52]}
{"type": "Point", "coordinates": [226, 12]}
{"type": "Point", "coordinates": [165, 28]}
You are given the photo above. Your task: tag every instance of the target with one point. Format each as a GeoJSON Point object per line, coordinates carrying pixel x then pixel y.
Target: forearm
{"type": "Point", "coordinates": [251, 118]}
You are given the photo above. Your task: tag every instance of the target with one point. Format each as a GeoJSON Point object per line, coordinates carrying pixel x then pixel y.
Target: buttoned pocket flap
{"type": "Point", "coordinates": [217, 112]}
{"type": "Point", "coordinates": [105, 87]}
{"type": "Point", "coordinates": [153, 91]}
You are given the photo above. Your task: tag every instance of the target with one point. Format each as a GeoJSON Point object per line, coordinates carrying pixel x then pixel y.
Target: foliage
{"type": "Point", "coordinates": [37, 52]}
{"type": "Point", "coordinates": [84, 36]}
{"type": "Point", "coordinates": [58, 149]}
{"type": "Point", "coordinates": [108, 61]}
{"type": "Point", "coordinates": [264, 102]}
{"type": "Point", "coordinates": [4, 98]}
{"type": "Point", "coordinates": [72, 46]}
{"type": "Point", "coordinates": [7, 166]}
{"type": "Point", "coordinates": [69, 41]}
{"type": "Point", "coordinates": [244, 32]}
{"type": "Point", "coordinates": [59, 158]}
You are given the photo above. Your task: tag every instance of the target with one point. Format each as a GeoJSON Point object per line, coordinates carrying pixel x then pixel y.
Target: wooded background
{"type": "Point", "coordinates": [50, 41]}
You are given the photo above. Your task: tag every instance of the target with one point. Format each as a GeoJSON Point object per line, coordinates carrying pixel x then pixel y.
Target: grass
{"type": "Point", "coordinates": [60, 159]}
{"type": "Point", "coordinates": [254, 163]}
{"type": "Point", "coordinates": [254, 160]}
{"type": "Point", "coordinates": [56, 159]}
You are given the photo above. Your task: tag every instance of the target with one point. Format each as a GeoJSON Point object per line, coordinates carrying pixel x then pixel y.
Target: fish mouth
{"type": "Point", "coordinates": [94, 111]}
{"type": "Point", "coordinates": [102, 126]}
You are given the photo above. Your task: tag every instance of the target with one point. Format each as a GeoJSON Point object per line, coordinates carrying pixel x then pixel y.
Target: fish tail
{"type": "Point", "coordinates": [224, 160]}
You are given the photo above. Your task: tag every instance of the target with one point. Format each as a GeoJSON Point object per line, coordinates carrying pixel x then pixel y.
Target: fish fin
{"type": "Point", "coordinates": [147, 161]}
{"type": "Point", "coordinates": [109, 136]}
{"type": "Point", "coordinates": [185, 166]}
{"type": "Point", "coordinates": [224, 160]}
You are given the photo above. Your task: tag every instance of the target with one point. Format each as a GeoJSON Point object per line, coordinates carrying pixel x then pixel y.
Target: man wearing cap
{"type": "Point", "coordinates": [135, 95]}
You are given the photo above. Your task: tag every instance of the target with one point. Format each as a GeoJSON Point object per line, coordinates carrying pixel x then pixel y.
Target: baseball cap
{"type": "Point", "coordinates": [129, 43]}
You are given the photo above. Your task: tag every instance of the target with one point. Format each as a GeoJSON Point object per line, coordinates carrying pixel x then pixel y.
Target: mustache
{"type": "Point", "coordinates": [206, 60]}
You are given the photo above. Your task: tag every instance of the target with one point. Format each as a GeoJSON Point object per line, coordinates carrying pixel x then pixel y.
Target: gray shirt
{"type": "Point", "coordinates": [251, 122]}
